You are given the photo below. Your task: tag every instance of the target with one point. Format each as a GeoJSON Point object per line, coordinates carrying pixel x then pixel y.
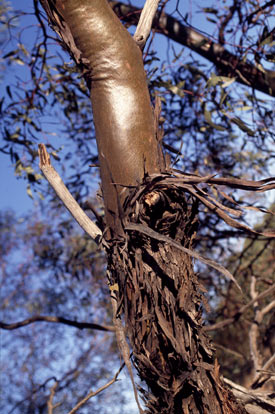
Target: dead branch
{"type": "Point", "coordinates": [65, 196]}
{"type": "Point", "coordinates": [56, 319]}
{"type": "Point", "coordinates": [93, 394]}
{"type": "Point", "coordinates": [145, 22]}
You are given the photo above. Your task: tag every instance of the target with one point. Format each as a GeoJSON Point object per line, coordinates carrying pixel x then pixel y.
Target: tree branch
{"type": "Point", "coordinates": [50, 404]}
{"type": "Point", "coordinates": [56, 319]}
{"type": "Point", "coordinates": [65, 196]}
{"type": "Point", "coordinates": [145, 22]}
{"type": "Point", "coordinates": [254, 402]}
{"type": "Point", "coordinates": [226, 63]}
{"type": "Point", "coordinates": [93, 394]}
{"type": "Point", "coordinates": [238, 314]}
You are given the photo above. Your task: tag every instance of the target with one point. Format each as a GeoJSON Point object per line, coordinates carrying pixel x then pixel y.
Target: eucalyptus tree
{"type": "Point", "coordinates": [150, 208]}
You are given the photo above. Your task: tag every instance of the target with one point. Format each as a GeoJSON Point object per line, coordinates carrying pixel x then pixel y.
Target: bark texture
{"type": "Point", "coordinates": [160, 297]}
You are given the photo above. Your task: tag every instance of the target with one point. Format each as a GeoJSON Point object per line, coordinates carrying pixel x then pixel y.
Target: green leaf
{"type": "Point", "coordinates": [243, 126]}
{"type": "Point", "coordinates": [29, 191]}
{"type": "Point", "coordinates": [223, 81]}
{"type": "Point", "coordinates": [208, 118]}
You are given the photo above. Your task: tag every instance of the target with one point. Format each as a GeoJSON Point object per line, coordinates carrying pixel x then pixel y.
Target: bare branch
{"type": "Point", "coordinates": [254, 329]}
{"type": "Point", "coordinates": [50, 405]}
{"type": "Point", "coordinates": [238, 314]}
{"type": "Point", "coordinates": [268, 307]}
{"type": "Point", "coordinates": [269, 363]}
{"type": "Point", "coordinates": [263, 375]}
{"type": "Point", "coordinates": [56, 319]}
{"type": "Point", "coordinates": [145, 22]}
{"type": "Point", "coordinates": [92, 394]}
{"type": "Point", "coordinates": [227, 64]}
{"type": "Point", "coordinates": [254, 402]}
{"type": "Point", "coordinates": [65, 196]}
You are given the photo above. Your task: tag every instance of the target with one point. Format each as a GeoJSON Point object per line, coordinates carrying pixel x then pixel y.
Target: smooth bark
{"type": "Point", "coordinates": [121, 104]}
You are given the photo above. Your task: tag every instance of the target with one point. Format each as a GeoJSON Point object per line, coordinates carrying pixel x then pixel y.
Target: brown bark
{"type": "Point", "coordinates": [161, 299]}
{"type": "Point", "coordinates": [226, 63]}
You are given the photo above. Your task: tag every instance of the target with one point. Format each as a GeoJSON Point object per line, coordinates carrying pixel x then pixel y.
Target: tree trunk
{"type": "Point", "coordinates": [159, 293]}
{"type": "Point", "coordinates": [161, 298]}
{"type": "Point", "coordinates": [113, 68]}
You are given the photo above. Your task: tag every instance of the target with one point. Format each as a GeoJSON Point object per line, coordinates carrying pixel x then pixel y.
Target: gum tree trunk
{"type": "Point", "coordinates": [158, 291]}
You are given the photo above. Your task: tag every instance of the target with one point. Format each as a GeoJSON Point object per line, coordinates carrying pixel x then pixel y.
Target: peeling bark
{"type": "Point", "coordinates": [160, 297]}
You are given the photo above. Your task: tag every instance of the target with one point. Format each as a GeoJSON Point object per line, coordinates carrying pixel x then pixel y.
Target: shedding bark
{"type": "Point", "coordinates": [161, 297]}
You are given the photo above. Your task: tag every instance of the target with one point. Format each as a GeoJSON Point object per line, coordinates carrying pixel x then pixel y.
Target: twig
{"type": "Point", "coordinates": [55, 319]}
{"type": "Point", "coordinates": [50, 405]}
{"type": "Point", "coordinates": [65, 196]}
{"type": "Point", "coordinates": [238, 314]}
{"type": "Point", "coordinates": [254, 329]}
{"type": "Point", "coordinates": [93, 394]}
{"type": "Point", "coordinates": [145, 22]}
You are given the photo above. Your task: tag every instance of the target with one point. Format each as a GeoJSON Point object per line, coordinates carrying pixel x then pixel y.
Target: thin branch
{"type": "Point", "coordinates": [254, 402]}
{"type": "Point", "coordinates": [92, 394]}
{"type": "Point", "coordinates": [56, 319]}
{"type": "Point", "coordinates": [50, 405]}
{"type": "Point", "coordinates": [238, 314]}
{"type": "Point", "coordinates": [269, 362]}
{"type": "Point", "coordinates": [264, 375]}
{"type": "Point", "coordinates": [254, 329]}
{"type": "Point", "coordinates": [65, 196]}
{"type": "Point", "coordinates": [227, 64]}
{"type": "Point", "coordinates": [145, 22]}
{"type": "Point", "coordinates": [268, 307]}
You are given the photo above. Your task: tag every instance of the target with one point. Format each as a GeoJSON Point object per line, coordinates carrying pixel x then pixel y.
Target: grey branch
{"type": "Point", "coordinates": [94, 393]}
{"type": "Point", "coordinates": [65, 196]}
{"type": "Point", "coordinates": [254, 402]}
{"type": "Point", "coordinates": [145, 22]}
